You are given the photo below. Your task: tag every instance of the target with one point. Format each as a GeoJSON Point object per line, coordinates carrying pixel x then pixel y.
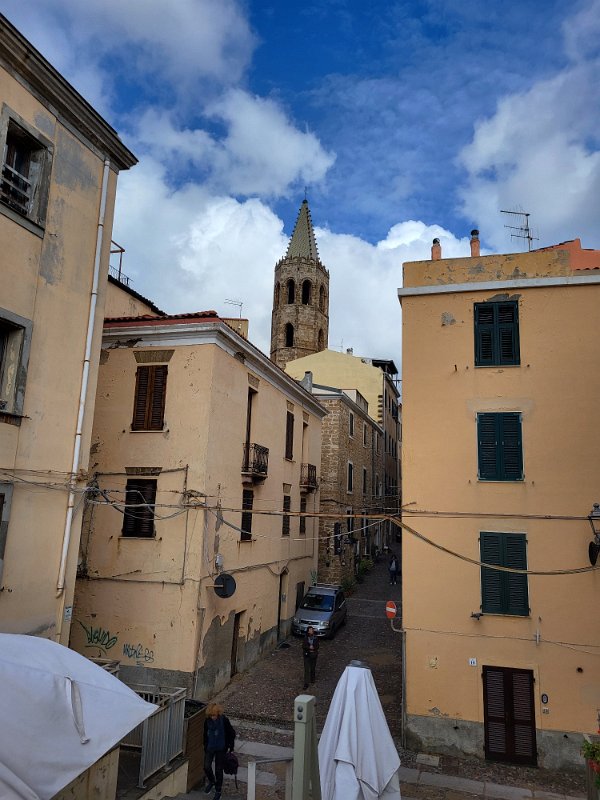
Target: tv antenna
{"type": "Point", "coordinates": [237, 303]}
{"type": "Point", "coordinates": [523, 230]}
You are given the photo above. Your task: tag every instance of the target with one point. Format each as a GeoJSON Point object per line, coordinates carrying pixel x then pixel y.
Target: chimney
{"type": "Point", "coordinates": [436, 250]}
{"type": "Point", "coordinates": [475, 243]}
{"type": "Point", "coordinates": [307, 381]}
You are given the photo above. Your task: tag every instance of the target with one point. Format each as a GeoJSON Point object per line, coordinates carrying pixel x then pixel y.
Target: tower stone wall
{"type": "Point", "coordinates": [300, 318]}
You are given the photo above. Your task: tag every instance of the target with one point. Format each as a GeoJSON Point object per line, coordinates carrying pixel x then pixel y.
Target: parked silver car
{"type": "Point", "coordinates": [324, 608]}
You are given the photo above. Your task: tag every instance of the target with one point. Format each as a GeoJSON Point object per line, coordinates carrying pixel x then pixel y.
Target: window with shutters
{"type": "Point", "coordinates": [351, 424]}
{"type": "Point", "coordinates": [15, 340]}
{"type": "Point", "coordinates": [504, 592]}
{"type": "Point", "coordinates": [26, 167]}
{"type": "Point", "coordinates": [285, 523]}
{"type": "Point", "coordinates": [247, 506]}
{"type": "Point", "coordinates": [350, 485]}
{"type": "Point", "coordinates": [150, 394]}
{"type": "Point", "coordinates": [500, 447]}
{"type": "Point", "coordinates": [303, 511]}
{"type": "Point", "coordinates": [289, 435]}
{"type": "Point", "coordinates": [365, 481]}
{"type": "Point", "coordinates": [496, 334]}
{"type": "Point", "coordinates": [140, 499]}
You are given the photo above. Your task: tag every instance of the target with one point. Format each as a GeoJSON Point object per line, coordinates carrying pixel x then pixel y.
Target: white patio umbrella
{"type": "Point", "coordinates": [357, 756]}
{"type": "Point", "coordinates": [59, 713]}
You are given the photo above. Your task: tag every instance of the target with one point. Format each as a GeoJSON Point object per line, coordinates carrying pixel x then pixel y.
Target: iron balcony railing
{"type": "Point", "coordinates": [109, 664]}
{"type": "Point", "coordinates": [308, 477]}
{"type": "Point", "coordinates": [115, 272]}
{"type": "Point", "coordinates": [160, 737]}
{"type": "Point", "coordinates": [256, 460]}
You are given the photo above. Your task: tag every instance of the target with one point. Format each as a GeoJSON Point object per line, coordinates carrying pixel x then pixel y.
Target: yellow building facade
{"type": "Point", "coordinates": [57, 189]}
{"type": "Point", "coordinates": [200, 446]}
{"type": "Point", "coordinates": [500, 443]}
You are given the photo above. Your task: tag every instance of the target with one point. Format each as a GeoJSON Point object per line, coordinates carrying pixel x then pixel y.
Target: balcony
{"type": "Point", "coordinates": [255, 464]}
{"type": "Point", "coordinates": [308, 478]}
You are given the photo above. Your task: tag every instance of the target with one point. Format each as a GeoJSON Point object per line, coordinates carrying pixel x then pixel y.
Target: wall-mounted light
{"type": "Point", "coordinates": [219, 562]}
{"type": "Point", "coordinates": [594, 547]}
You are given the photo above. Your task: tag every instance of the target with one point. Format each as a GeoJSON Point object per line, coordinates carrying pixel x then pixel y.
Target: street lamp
{"type": "Point", "coordinates": [594, 547]}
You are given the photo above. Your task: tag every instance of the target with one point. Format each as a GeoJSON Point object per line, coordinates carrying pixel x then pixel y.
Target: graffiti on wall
{"type": "Point", "coordinates": [142, 655]}
{"type": "Point", "coordinates": [99, 637]}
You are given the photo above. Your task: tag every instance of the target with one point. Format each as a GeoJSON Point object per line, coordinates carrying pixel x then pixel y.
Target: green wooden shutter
{"type": "Point", "coordinates": [490, 545]}
{"type": "Point", "coordinates": [247, 506]}
{"type": "Point", "coordinates": [511, 447]}
{"type": "Point", "coordinates": [484, 334]}
{"type": "Point", "coordinates": [487, 441]}
{"type": "Point", "coordinates": [504, 592]}
{"type": "Point", "coordinates": [515, 556]}
{"type": "Point", "coordinates": [508, 333]}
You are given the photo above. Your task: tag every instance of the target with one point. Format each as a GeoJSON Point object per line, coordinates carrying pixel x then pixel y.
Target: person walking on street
{"type": "Point", "coordinates": [310, 651]}
{"type": "Point", "coordinates": [393, 569]}
{"type": "Point", "coordinates": [219, 737]}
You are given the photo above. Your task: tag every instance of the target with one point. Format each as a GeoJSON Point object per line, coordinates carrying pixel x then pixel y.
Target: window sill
{"type": "Point", "coordinates": [24, 222]}
{"type": "Point", "coordinates": [139, 538]}
{"type": "Point", "coordinates": [495, 366]}
{"type": "Point", "coordinates": [11, 418]}
{"type": "Point", "coordinates": [149, 430]}
{"type": "Point", "coordinates": [500, 480]}
{"type": "Point", "coordinates": [501, 615]}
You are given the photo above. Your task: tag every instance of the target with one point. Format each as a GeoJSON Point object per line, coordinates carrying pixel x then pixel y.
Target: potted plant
{"type": "Point", "coordinates": [591, 752]}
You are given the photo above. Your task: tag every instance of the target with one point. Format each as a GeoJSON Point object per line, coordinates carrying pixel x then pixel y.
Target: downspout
{"type": "Point", "coordinates": [60, 586]}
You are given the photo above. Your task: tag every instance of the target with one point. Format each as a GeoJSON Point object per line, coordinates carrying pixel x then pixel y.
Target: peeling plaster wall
{"type": "Point", "coordinates": [47, 279]}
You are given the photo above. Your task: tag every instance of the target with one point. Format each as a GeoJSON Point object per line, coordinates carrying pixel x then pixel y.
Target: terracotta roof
{"type": "Point", "coordinates": [166, 319]}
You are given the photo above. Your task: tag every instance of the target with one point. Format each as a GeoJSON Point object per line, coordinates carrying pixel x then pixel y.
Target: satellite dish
{"type": "Point", "coordinates": [224, 585]}
{"type": "Point", "coordinates": [593, 551]}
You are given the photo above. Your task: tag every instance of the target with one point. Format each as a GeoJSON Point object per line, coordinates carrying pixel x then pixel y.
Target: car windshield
{"type": "Point", "coordinates": [318, 602]}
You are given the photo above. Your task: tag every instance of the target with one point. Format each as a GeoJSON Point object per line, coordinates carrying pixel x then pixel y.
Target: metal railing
{"type": "Point", "coordinates": [289, 764]}
{"type": "Point", "coordinates": [256, 460]}
{"type": "Point", "coordinates": [15, 189]}
{"type": "Point", "coordinates": [109, 664]}
{"type": "Point", "coordinates": [160, 737]}
{"type": "Point", "coordinates": [308, 476]}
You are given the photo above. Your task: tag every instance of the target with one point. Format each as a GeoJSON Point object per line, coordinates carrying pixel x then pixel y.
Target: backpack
{"type": "Point", "coordinates": [230, 765]}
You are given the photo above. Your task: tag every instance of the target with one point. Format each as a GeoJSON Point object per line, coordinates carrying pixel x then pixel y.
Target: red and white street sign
{"type": "Point", "coordinates": [390, 609]}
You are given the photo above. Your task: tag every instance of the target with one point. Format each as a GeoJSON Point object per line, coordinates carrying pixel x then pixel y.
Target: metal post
{"type": "Point", "coordinates": [306, 779]}
{"type": "Point", "coordinates": [251, 780]}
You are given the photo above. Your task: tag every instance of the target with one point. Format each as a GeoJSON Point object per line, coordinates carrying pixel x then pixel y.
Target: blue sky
{"type": "Point", "coordinates": [405, 120]}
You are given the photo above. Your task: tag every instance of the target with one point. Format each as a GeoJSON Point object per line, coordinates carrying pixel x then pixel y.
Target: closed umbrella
{"type": "Point", "coordinates": [357, 756]}
{"type": "Point", "coordinates": [59, 713]}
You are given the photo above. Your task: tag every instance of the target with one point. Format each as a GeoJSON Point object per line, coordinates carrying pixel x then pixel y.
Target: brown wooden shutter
{"type": "Point", "coordinates": [157, 403]}
{"type": "Point", "coordinates": [140, 403]}
{"type": "Point", "coordinates": [140, 497]}
{"type": "Point", "coordinates": [509, 716]}
{"type": "Point", "coordinates": [150, 396]}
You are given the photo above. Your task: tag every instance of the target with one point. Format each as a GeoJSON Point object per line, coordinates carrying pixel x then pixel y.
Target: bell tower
{"type": "Point", "coordinates": [300, 319]}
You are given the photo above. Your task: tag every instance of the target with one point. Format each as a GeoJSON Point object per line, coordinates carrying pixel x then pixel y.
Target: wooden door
{"type": "Point", "coordinates": [509, 715]}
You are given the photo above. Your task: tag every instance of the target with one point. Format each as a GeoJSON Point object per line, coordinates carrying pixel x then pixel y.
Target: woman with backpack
{"type": "Point", "coordinates": [219, 738]}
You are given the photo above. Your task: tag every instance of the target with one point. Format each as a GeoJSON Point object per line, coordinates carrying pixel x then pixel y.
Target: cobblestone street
{"type": "Point", "coordinates": [260, 703]}
{"type": "Point", "coordinates": [266, 692]}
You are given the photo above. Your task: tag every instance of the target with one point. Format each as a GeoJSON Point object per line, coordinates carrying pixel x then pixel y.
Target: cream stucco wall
{"type": "Point", "coordinates": [152, 600]}
{"type": "Point", "coordinates": [47, 279]}
{"type": "Point", "coordinates": [555, 388]}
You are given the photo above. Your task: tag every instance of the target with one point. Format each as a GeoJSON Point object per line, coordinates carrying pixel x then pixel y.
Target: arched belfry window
{"type": "Point", "coordinates": [289, 335]}
{"type": "Point", "coordinates": [276, 301]}
{"type": "Point", "coordinates": [321, 340]}
{"type": "Point", "coordinates": [291, 291]}
{"type": "Point", "coordinates": [306, 287]}
{"type": "Point", "coordinates": [322, 299]}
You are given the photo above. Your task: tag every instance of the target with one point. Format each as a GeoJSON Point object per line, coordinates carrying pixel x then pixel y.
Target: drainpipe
{"type": "Point", "coordinates": [60, 586]}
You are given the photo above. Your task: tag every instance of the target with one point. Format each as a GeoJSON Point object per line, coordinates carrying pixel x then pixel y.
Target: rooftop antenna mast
{"type": "Point", "coordinates": [237, 303]}
{"type": "Point", "coordinates": [524, 231]}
